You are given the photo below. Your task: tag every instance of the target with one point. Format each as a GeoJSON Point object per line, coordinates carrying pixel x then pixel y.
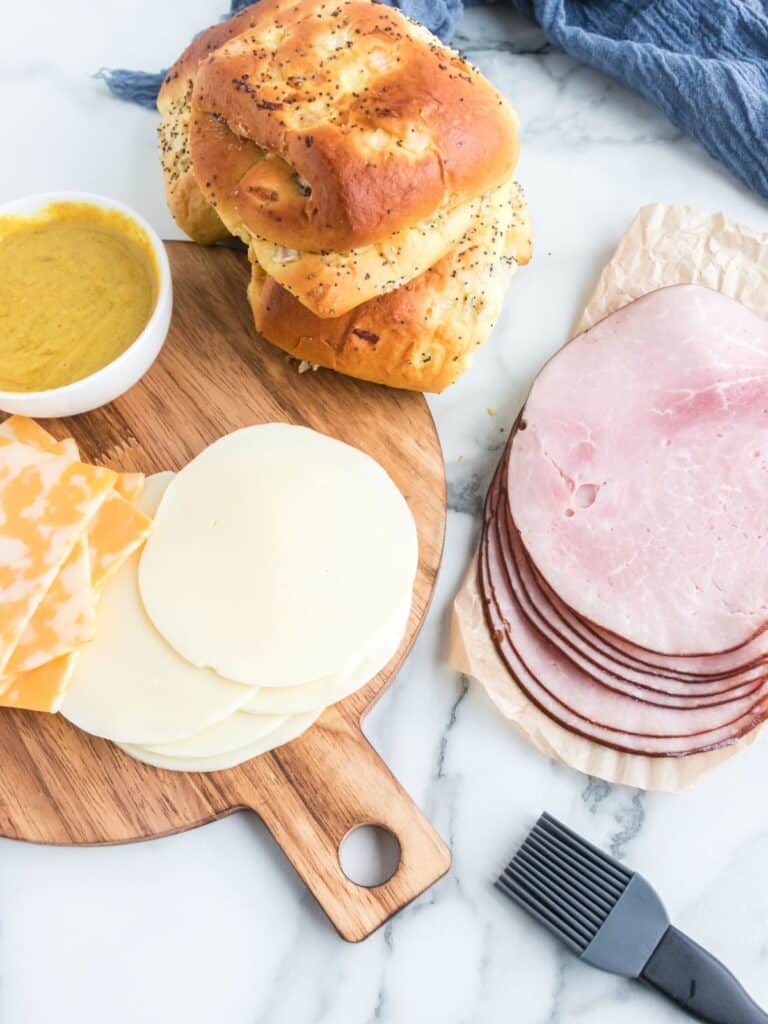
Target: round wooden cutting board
{"type": "Point", "coordinates": [59, 785]}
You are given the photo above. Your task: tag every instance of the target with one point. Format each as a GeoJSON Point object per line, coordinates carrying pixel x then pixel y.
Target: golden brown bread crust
{"type": "Point", "coordinates": [328, 283]}
{"type": "Point", "coordinates": [420, 337]}
{"type": "Point", "coordinates": [367, 125]}
{"type": "Point", "coordinates": [189, 207]}
{"type": "Point", "coordinates": [377, 153]}
{"type": "Point", "coordinates": [333, 283]}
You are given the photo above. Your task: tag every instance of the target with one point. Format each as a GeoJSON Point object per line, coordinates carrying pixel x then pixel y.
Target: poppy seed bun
{"type": "Point", "coordinates": [189, 207]}
{"type": "Point", "coordinates": [369, 170]}
{"type": "Point", "coordinates": [330, 284]}
{"type": "Point", "coordinates": [421, 336]}
{"type": "Point", "coordinates": [353, 122]}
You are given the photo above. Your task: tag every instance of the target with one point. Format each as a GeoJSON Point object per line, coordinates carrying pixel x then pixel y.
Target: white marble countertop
{"type": "Point", "coordinates": [213, 925]}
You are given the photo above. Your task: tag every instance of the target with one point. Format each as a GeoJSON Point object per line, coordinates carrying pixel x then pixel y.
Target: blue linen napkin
{"type": "Point", "coordinates": [703, 62]}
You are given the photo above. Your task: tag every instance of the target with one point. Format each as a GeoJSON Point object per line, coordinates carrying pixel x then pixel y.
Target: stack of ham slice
{"type": "Point", "coordinates": [624, 559]}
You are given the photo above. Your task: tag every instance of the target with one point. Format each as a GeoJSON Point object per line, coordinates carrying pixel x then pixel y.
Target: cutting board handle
{"type": "Point", "coordinates": [318, 789]}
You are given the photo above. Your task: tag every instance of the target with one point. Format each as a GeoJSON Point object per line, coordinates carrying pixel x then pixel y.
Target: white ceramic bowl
{"type": "Point", "coordinates": [122, 373]}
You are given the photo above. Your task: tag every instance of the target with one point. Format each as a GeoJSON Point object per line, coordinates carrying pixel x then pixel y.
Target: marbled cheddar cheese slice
{"type": "Point", "coordinates": [130, 486]}
{"type": "Point", "coordinates": [43, 688]}
{"type": "Point", "coordinates": [117, 530]}
{"type": "Point", "coordinates": [46, 502]}
{"type": "Point", "coordinates": [65, 618]}
{"type": "Point", "coordinates": [27, 431]}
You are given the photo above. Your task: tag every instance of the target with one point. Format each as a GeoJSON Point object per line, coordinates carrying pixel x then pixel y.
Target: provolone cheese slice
{"type": "Point", "coordinates": [64, 619]}
{"type": "Point", "coordinates": [46, 502]}
{"type": "Point", "coordinates": [291, 728]}
{"type": "Point", "coordinates": [292, 700]}
{"type": "Point", "coordinates": [43, 688]}
{"type": "Point", "coordinates": [130, 685]}
{"type": "Point", "coordinates": [276, 555]}
{"type": "Point", "coordinates": [231, 733]}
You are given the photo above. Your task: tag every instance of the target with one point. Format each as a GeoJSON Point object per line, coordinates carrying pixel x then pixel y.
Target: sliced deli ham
{"type": "Point", "coordinates": [653, 688]}
{"type": "Point", "coordinates": [750, 657]}
{"type": "Point", "coordinates": [580, 702]}
{"type": "Point", "coordinates": [638, 477]}
{"type": "Point", "coordinates": [624, 558]}
{"type": "Point", "coordinates": [557, 621]}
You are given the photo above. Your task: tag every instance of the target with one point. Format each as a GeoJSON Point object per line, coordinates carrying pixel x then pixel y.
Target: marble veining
{"type": "Point", "coordinates": [213, 925]}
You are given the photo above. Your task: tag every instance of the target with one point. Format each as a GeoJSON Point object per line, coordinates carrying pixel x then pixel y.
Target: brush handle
{"type": "Point", "coordinates": [694, 979]}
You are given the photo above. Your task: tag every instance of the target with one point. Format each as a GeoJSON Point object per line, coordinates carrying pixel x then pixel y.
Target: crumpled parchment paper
{"type": "Point", "coordinates": [664, 245]}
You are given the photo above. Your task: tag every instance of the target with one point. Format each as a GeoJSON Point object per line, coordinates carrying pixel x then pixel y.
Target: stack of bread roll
{"type": "Point", "coordinates": [369, 170]}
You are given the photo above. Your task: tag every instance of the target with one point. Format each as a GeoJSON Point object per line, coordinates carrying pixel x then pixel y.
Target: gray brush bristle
{"type": "Point", "coordinates": [564, 882]}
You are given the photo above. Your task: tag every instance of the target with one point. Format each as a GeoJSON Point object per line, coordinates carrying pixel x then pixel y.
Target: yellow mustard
{"type": "Point", "coordinates": [77, 286]}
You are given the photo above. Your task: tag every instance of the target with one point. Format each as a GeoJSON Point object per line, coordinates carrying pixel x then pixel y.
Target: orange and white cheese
{"type": "Point", "coordinates": [118, 529]}
{"type": "Point", "coordinates": [65, 526]}
{"type": "Point", "coordinates": [47, 500]}
{"type": "Point", "coordinates": [41, 689]}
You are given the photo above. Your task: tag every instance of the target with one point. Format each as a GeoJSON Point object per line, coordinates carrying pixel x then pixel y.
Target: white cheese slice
{"type": "Point", "coordinates": [235, 731]}
{"type": "Point", "coordinates": [276, 555]}
{"type": "Point", "coordinates": [291, 700]}
{"type": "Point", "coordinates": [129, 685]}
{"type": "Point", "coordinates": [291, 728]}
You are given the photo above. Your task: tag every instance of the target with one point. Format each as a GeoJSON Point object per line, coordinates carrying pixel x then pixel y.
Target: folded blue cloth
{"type": "Point", "coordinates": [703, 62]}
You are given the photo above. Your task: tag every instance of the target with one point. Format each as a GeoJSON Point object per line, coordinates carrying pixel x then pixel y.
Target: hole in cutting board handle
{"type": "Point", "coordinates": [369, 855]}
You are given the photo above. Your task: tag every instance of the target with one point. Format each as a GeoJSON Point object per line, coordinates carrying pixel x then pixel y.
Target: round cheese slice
{"type": "Point", "coordinates": [291, 700]}
{"type": "Point", "coordinates": [237, 730]}
{"type": "Point", "coordinates": [131, 686]}
{"type": "Point", "coordinates": [276, 555]}
{"type": "Point", "coordinates": [290, 729]}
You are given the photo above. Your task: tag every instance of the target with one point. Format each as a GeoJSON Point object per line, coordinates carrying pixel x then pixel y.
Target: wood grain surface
{"type": "Point", "coordinates": [59, 785]}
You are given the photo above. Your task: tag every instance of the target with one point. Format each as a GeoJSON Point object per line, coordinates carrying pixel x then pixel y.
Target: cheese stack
{"type": "Point", "coordinates": [65, 528]}
{"type": "Point", "coordinates": [277, 581]}
{"type": "Point", "coordinates": [369, 170]}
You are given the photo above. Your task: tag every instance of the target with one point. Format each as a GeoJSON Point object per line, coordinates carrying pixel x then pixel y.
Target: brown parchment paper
{"type": "Point", "coordinates": [664, 245]}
